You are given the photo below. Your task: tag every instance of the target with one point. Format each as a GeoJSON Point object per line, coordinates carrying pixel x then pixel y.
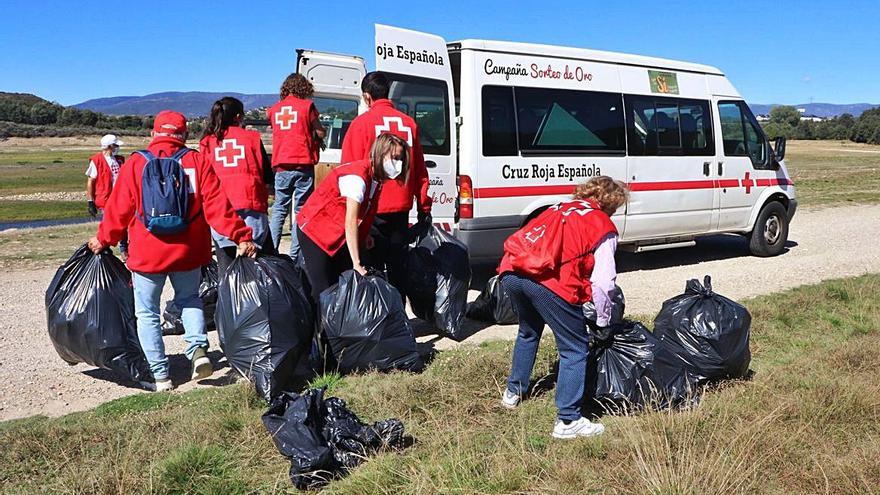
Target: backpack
{"type": "Point", "coordinates": [536, 249]}
{"type": "Point", "coordinates": [164, 193]}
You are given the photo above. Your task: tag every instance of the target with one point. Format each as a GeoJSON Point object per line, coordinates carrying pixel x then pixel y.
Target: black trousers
{"type": "Point", "coordinates": [391, 236]}
{"type": "Point", "coordinates": [322, 269]}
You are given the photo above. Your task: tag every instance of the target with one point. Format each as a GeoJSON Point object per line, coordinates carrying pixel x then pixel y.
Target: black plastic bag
{"type": "Point", "coordinates": [493, 305]}
{"type": "Point", "coordinates": [172, 323]}
{"type": "Point", "coordinates": [438, 276]}
{"type": "Point", "coordinates": [90, 314]}
{"type": "Point", "coordinates": [323, 438]}
{"type": "Point", "coordinates": [265, 322]}
{"type": "Point", "coordinates": [622, 374]}
{"type": "Point", "coordinates": [705, 333]}
{"type": "Point", "coordinates": [365, 324]}
{"type": "Point", "coordinates": [618, 307]}
{"type": "Point", "coordinates": [296, 424]}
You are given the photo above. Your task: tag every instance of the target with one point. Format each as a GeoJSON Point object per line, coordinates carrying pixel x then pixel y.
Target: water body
{"type": "Point", "coordinates": [31, 224]}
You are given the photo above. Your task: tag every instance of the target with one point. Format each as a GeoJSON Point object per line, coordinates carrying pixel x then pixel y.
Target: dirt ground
{"type": "Point", "coordinates": [824, 243]}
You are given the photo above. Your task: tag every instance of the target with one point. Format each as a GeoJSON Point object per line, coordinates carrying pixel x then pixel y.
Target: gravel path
{"type": "Point", "coordinates": [825, 243]}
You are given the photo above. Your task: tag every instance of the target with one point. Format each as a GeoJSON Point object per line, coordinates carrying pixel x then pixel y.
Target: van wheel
{"type": "Point", "coordinates": [771, 231]}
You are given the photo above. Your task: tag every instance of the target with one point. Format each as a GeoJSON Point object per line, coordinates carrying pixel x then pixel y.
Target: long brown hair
{"type": "Point", "coordinates": [223, 114]}
{"type": "Point", "coordinates": [297, 85]}
{"type": "Point", "coordinates": [383, 145]}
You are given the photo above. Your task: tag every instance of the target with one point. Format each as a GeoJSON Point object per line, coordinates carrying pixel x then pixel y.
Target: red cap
{"type": "Point", "coordinates": [171, 124]}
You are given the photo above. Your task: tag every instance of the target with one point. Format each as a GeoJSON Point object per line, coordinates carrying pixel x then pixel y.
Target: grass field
{"type": "Point", "coordinates": [43, 247]}
{"type": "Point", "coordinates": [808, 422]}
{"type": "Point", "coordinates": [824, 172]}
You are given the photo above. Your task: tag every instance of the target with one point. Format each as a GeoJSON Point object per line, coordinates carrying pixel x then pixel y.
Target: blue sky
{"type": "Point", "coordinates": [773, 52]}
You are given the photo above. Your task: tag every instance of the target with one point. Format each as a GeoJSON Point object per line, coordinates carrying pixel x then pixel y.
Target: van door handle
{"type": "Point", "coordinates": [430, 164]}
{"type": "Point", "coordinates": [706, 168]}
{"type": "Point", "coordinates": [720, 169]}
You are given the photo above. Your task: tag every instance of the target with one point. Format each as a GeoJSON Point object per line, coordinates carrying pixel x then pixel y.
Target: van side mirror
{"type": "Point", "coordinates": [779, 148]}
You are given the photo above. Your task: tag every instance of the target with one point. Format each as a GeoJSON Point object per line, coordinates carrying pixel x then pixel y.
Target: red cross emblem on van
{"type": "Point", "coordinates": [747, 183]}
{"type": "Point", "coordinates": [229, 153]}
{"type": "Point", "coordinates": [398, 130]}
{"type": "Point", "coordinates": [285, 118]}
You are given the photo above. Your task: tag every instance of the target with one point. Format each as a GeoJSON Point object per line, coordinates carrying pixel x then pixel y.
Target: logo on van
{"type": "Point", "coordinates": [411, 56]}
{"type": "Point", "coordinates": [663, 82]}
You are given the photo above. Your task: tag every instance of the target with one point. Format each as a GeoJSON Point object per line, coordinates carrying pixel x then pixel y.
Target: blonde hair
{"type": "Point", "coordinates": [610, 194]}
{"type": "Point", "coordinates": [383, 145]}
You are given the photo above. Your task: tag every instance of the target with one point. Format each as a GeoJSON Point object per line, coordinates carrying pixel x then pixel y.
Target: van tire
{"type": "Point", "coordinates": [770, 233]}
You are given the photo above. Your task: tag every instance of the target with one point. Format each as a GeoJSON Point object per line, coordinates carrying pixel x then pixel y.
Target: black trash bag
{"type": "Point", "coordinates": [172, 324]}
{"type": "Point", "coordinates": [364, 322]}
{"type": "Point", "coordinates": [296, 424]}
{"type": "Point", "coordinates": [90, 314]}
{"type": "Point", "coordinates": [493, 305]}
{"type": "Point", "coordinates": [705, 333]}
{"type": "Point", "coordinates": [618, 307]}
{"type": "Point", "coordinates": [353, 440]}
{"type": "Point", "coordinates": [622, 374]}
{"type": "Point", "coordinates": [265, 322]}
{"type": "Point", "coordinates": [438, 276]}
{"type": "Point", "coordinates": [323, 438]}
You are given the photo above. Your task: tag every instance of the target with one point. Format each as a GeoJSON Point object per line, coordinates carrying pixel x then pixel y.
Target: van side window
{"type": "Point", "coordinates": [740, 132]}
{"type": "Point", "coordinates": [499, 123]}
{"type": "Point", "coordinates": [668, 126]}
{"type": "Point", "coordinates": [554, 120]}
{"type": "Point", "coordinates": [427, 102]}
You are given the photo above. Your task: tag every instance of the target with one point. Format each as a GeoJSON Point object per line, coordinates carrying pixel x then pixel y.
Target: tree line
{"type": "Point", "coordinates": [786, 121]}
{"type": "Point", "coordinates": [46, 113]}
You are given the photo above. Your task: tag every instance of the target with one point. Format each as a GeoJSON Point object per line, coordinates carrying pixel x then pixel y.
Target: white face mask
{"type": "Point", "coordinates": [392, 167]}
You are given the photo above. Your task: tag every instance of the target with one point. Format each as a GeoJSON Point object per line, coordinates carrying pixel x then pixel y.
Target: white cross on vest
{"type": "Point", "coordinates": [286, 117]}
{"type": "Point", "coordinates": [229, 153]}
{"type": "Point", "coordinates": [386, 127]}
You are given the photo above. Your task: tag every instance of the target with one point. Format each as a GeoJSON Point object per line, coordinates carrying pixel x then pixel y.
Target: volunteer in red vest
{"type": "Point", "coordinates": [296, 136]}
{"type": "Point", "coordinates": [585, 271]}
{"type": "Point", "coordinates": [335, 222]}
{"type": "Point", "coordinates": [242, 165]}
{"type": "Point", "coordinates": [392, 220]}
{"type": "Point", "coordinates": [154, 258]}
{"type": "Point", "coordinates": [102, 172]}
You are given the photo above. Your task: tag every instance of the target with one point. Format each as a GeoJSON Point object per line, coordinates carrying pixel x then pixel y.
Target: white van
{"type": "Point", "coordinates": [510, 128]}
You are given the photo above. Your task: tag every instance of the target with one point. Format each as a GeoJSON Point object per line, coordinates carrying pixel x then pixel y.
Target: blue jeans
{"type": "Point", "coordinates": [147, 297]}
{"type": "Point", "coordinates": [259, 224]}
{"type": "Point", "coordinates": [291, 186]}
{"type": "Point", "coordinates": [536, 306]}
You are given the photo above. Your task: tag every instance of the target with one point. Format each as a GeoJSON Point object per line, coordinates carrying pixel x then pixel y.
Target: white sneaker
{"type": "Point", "coordinates": [159, 386]}
{"type": "Point", "coordinates": [509, 399]}
{"type": "Point", "coordinates": [582, 427]}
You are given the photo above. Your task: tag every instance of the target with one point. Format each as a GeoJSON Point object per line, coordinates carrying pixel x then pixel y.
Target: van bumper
{"type": "Point", "coordinates": [792, 208]}
{"type": "Point", "coordinates": [484, 237]}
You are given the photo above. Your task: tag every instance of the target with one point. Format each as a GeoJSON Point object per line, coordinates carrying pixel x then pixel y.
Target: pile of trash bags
{"type": "Point", "coordinates": [364, 322]}
{"type": "Point", "coordinates": [322, 438]}
{"type": "Point", "coordinates": [265, 322]}
{"type": "Point", "coordinates": [172, 324]}
{"type": "Point", "coordinates": [90, 314]}
{"type": "Point", "coordinates": [438, 276]}
{"type": "Point", "coordinates": [699, 337]}
{"type": "Point", "coordinates": [493, 305]}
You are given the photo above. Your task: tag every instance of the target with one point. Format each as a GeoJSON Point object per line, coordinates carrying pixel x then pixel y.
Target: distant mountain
{"type": "Point", "coordinates": [191, 103]}
{"type": "Point", "coordinates": [819, 109]}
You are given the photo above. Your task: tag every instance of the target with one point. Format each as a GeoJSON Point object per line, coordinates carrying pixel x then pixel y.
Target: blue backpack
{"type": "Point", "coordinates": [164, 193]}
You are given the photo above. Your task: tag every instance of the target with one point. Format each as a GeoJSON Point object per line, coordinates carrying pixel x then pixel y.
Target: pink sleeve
{"type": "Point", "coordinates": [604, 278]}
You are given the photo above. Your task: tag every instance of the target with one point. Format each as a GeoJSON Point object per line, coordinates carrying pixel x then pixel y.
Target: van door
{"type": "Point", "coordinates": [743, 163]}
{"type": "Point", "coordinates": [421, 86]}
{"type": "Point", "coordinates": [337, 82]}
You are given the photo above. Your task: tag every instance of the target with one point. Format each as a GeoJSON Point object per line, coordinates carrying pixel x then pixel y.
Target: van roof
{"type": "Point", "coordinates": [581, 54]}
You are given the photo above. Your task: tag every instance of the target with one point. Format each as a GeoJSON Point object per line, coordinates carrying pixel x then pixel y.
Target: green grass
{"type": "Point", "coordinates": [808, 422]}
{"type": "Point", "coordinates": [25, 172]}
{"type": "Point", "coordinates": [26, 210]}
{"type": "Point", "coordinates": [42, 247]}
{"type": "Point", "coordinates": [833, 172]}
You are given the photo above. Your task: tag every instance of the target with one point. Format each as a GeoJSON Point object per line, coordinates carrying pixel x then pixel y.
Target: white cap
{"type": "Point", "coordinates": [109, 140]}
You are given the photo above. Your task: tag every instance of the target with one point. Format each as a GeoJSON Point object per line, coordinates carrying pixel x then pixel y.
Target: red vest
{"type": "Point", "coordinates": [292, 144]}
{"type": "Point", "coordinates": [585, 226]}
{"type": "Point", "coordinates": [104, 181]}
{"type": "Point", "coordinates": [322, 218]}
{"type": "Point", "coordinates": [238, 162]}
{"type": "Point", "coordinates": [383, 117]}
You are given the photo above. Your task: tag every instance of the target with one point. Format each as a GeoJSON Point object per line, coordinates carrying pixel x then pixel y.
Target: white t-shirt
{"type": "Point", "coordinates": [354, 187]}
{"type": "Point", "coordinates": [92, 171]}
